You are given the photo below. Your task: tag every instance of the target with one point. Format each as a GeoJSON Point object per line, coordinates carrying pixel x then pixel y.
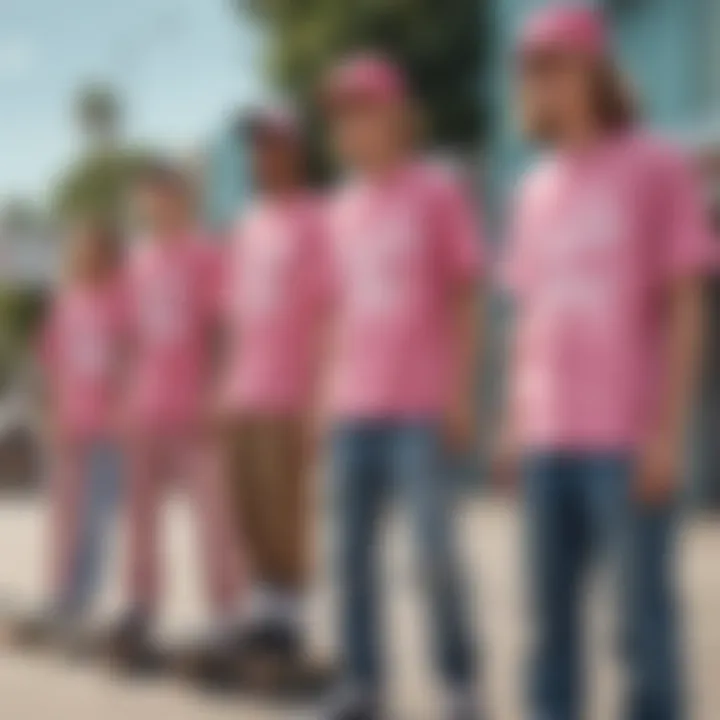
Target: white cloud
{"type": "Point", "coordinates": [18, 57]}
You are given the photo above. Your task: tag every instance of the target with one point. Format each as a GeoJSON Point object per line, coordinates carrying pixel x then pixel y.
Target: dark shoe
{"type": "Point", "coordinates": [273, 639]}
{"type": "Point", "coordinates": [213, 661]}
{"type": "Point", "coordinates": [130, 644]}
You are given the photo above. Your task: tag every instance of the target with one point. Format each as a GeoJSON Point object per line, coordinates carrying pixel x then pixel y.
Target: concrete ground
{"type": "Point", "coordinates": [37, 688]}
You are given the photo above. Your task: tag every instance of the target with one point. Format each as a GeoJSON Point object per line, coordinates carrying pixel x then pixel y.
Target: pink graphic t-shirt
{"type": "Point", "coordinates": [596, 240]}
{"type": "Point", "coordinates": [401, 248]}
{"type": "Point", "coordinates": [275, 297]}
{"type": "Point", "coordinates": [81, 350]}
{"type": "Point", "coordinates": [174, 286]}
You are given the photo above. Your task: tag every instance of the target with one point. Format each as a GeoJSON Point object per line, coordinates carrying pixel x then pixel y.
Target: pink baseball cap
{"type": "Point", "coordinates": [365, 78]}
{"type": "Point", "coordinates": [572, 28]}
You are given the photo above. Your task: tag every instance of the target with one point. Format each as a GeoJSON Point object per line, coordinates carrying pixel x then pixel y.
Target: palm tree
{"type": "Point", "coordinates": [99, 115]}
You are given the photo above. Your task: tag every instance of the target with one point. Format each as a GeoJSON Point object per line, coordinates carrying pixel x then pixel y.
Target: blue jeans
{"type": "Point", "coordinates": [578, 507]}
{"type": "Point", "coordinates": [102, 475]}
{"type": "Point", "coordinates": [368, 458]}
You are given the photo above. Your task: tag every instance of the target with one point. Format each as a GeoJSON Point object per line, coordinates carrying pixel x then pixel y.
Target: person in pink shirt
{"type": "Point", "coordinates": [406, 256]}
{"type": "Point", "coordinates": [81, 357]}
{"type": "Point", "coordinates": [275, 302]}
{"type": "Point", "coordinates": [173, 279]}
{"type": "Point", "coordinates": [608, 246]}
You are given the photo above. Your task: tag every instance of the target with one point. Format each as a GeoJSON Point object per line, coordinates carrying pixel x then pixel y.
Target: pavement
{"type": "Point", "coordinates": [36, 687]}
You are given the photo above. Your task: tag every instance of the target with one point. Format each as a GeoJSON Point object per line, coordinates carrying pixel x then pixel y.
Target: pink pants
{"type": "Point", "coordinates": [156, 460]}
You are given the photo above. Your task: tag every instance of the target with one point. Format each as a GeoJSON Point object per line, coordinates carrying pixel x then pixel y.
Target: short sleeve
{"type": "Point", "coordinates": [681, 218]}
{"type": "Point", "coordinates": [214, 282]}
{"type": "Point", "coordinates": [47, 340]}
{"type": "Point", "coordinates": [461, 241]}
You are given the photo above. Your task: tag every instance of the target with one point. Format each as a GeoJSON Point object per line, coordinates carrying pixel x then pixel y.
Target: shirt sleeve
{"type": "Point", "coordinates": [123, 307]}
{"type": "Point", "coordinates": [461, 250]}
{"type": "Point", "coordinates": [215, 279]}
{"type": "Point", "coordinates": [230, 273]}
{"type": "Point", "coordinates": [688, 246]}
{"type": "Point", "coordinates": [319, 256]}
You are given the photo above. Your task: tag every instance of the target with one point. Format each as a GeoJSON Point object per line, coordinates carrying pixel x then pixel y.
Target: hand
{"type": "Point", "coordinates": [214, 417]}
{"type": "Point", "coordinates": [659, 471]}
{"type": "Point", "coordinates": [505, 466]}
{"type": "Point", "coordinates": [460, 426]}
{"type": "Point", "coordinates": [315, 429]}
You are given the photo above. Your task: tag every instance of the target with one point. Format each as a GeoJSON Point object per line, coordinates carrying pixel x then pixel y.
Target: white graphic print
{"type": "Point", "coordinates": [579, 272]}
{"type": "Point", "coordinates": [377, 267]}
{"type": "Point", "coordinates": [267, 258]}
{"type": "Point", "coordinates": [90, 357]}
{"type": "Point", "coordinates": [165, 308]}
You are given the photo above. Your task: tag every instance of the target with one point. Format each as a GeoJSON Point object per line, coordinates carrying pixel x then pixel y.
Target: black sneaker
{"type": "Point", "coordinates": [130, 644]}
{"type": "Point", "coordinates": [214, 660]}
{"type": "Point", "coordinates": [273, 639]}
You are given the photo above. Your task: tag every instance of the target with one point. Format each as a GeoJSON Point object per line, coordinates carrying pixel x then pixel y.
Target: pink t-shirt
{"type": "Point", "coordinates": [596, 239]}
{"type": "Point", "coordinates": [175, 297]}
{"type": "Point", "coordinates": [275, 299]}
{"type": "Point", "coordinates": [401, 248]}
{"type": "Point", "coordinates": [81, 350]}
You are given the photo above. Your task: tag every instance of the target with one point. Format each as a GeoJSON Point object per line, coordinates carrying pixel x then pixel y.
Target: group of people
{"type": "Point", "coordinates": [350, 323]}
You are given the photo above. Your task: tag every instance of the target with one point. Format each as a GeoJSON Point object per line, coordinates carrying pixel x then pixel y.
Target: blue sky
{"type": "Point", "coordinates": [181, 65]}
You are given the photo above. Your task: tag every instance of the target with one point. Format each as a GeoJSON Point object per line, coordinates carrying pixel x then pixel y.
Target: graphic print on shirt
{"type": "Point", "coordinates": [267, 258]}
{"type": "Point", "coordinates": [376, 265]}
{"type": "Point", "coordinates": [576, 253]}
{"type": "Point", "coordinates": [165, 307]}
{"type": "Point", "coordinates": [83, 349]}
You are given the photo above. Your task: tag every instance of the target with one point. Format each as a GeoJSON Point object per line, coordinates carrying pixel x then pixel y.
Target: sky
{"type": "Point", "coordinates": [180, 66]}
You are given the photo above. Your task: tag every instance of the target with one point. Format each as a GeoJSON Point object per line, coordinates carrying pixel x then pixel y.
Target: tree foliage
{"type": "Point", "coordinates": [441, 43]}
{"type": "Point", "coordinates": [96, 185]}
{"type": "Point", "coordinates": [20, 314]}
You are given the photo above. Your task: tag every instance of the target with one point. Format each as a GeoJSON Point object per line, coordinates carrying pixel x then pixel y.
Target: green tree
{"type": "Point", "coordinates": [21, 310]}
{"type": "Point", "coordinates": [441, 43]}
{"type": "Point", "coordinates": [96, 185]}
{"type": "Point", "coordinates": [20, 304]}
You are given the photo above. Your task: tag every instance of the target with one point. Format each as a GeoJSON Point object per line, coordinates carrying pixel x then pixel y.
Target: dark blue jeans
{"type": "Point", "coordinates": [579, 508]}
{"type": "Point", "coordinates": [368, 458]}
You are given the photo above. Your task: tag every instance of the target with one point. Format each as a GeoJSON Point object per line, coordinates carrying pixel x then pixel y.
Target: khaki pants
{"type": "Point", "coordinates": [265, 466]}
